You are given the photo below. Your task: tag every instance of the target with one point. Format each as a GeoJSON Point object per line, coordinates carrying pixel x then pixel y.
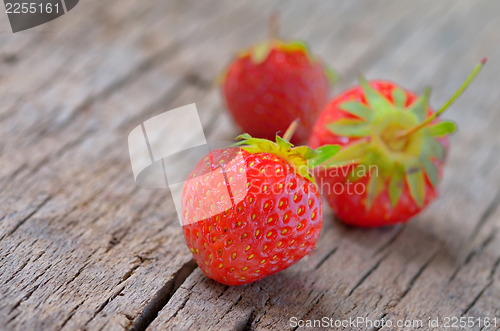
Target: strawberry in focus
{"type": "Point", "coordinates": [273, 83]}
{"type": "Point", "coordinates": [394, 148]}
{"type": "Point", "coordinates": [272, 217]}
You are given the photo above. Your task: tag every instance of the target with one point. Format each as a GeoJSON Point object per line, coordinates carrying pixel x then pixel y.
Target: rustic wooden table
{"type": "Point", "coordinates": [82, 247]}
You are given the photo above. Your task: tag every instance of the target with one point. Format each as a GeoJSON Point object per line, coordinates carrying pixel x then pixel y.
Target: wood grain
{"type": "Point", "coordinates": [81, 247]}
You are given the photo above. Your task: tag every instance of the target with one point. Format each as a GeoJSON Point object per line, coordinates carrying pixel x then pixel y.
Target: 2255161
{"type": "Point", "coordinates": [31, 8]}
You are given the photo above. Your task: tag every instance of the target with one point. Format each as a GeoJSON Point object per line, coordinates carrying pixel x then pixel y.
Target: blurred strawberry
{"type": "Point", "coordinates": [393, 152]}
{"type": "Point", "coordinates": [273, 83]}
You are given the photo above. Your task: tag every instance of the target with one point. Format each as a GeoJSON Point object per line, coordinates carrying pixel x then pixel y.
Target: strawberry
{"type": "Point", "coordinates": [394, 148]}
{"type": "Point", "coordinates": [254, 210]}
{"type": "Point", "coordinates": [273, 83]}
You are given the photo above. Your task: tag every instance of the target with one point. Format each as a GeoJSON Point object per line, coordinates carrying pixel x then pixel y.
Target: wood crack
{"type": "Point", "coordinates": [79, 271]}
{"type": "Point", "coordinates": [181, 307]}
{"type": "Point", "coordinates": [325, 258]}
{"type": "Point", "coordinates": [163, 296]}
{"type": "Point", "coordinates": [486, 215]}
{"type": "Point", "coordinates": [235, 303]}
{"type": "Point", "coordinates": [481, 247]}
{"type": "Point", "coordinates": [495, 268]}
{"type": "Point", "coordinates": [152, 109]}
{"type": "Point", "coordinates": [417, 276]}
{"type": "Point", "coordinates": [472, 253]}
{"type": "Point", "coordinates": [490, 282]}
{"type": "Point", "coordinates": [118, 235]}
{"type": "Point", "coordinates": [31, 291]}
{"type": "Point", "coordinates": [476, 298]}
{"type": "Point", "coordinates": [16, 172]}
{"type": "Point", "coordinates": [139, 70]}
{"type": "Point", "coordinates": [131, 271]}
{"type": "Point", "coordinates": [71, 314]}
{"type": "Point", "coordinates": [24, 266]}
{"type": "Point", "coordinates": [105, 303]}
{"type": "Point", "coordinates": [391, 240]}
{"type": "Point", "coordinates": [55, 156]}
{"type": "Point", "coordinates": [315, 303]}
{"type": "Point", "coordinates": [246, 324]}
{"type": "Point", "coordinates": [25, 219]}
{"type": "Point", "coordinates": [367, 274]}
{"type": "Point", "coordinates": [95, 195]}
{"type": "Point", "coordinates": [255, 318]}
{"type": "Point", "coordinates": [381, 318]}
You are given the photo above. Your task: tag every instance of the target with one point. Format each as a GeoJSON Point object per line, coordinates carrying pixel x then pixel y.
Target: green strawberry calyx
{"type": "Point", "coordinates": [260, 52]}
{"type": "Point", "coordinates": [302, 158]}
{"type": "Point", "coordinates": [401, 140]}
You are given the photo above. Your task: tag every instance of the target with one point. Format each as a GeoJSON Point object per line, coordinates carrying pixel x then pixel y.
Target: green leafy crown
{"type": "Point", "coordinates": [259, 53]}
{"type": "Point", "coordinates": [399, 139]}
{"type": "Point", "coordinates": [302, 158]}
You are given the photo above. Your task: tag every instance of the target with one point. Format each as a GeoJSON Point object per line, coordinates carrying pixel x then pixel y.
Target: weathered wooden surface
{"type": "Point", "coordinates": [81, 247]}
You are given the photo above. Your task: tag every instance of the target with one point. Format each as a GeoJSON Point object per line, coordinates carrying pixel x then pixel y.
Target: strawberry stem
{"type": "Point", "coordinates": [291, 130]}
{"type": "Point", "coordinates": [274, 26]}
{"type": "Point", "coordinates": [441, 110]}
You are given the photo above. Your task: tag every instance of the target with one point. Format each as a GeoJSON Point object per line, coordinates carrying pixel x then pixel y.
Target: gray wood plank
{"type": "Point", "coordinates": [379, 278]}
{"type": "Point", "coordinates": [81, 247]}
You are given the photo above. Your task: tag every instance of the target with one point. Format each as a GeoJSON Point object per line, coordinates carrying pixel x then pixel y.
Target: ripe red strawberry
{"type": "Point", "coordinates": [273, 83]}
{"type": "Point", "coordinates": [393, 152]}
{"type": "Point", "coordinates": [252, 211]}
